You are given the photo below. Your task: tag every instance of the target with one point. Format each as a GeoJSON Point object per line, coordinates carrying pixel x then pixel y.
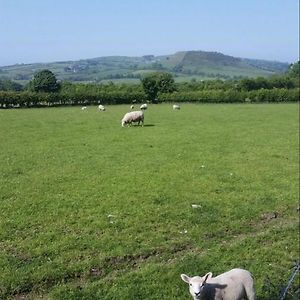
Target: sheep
{"type": "Point", "coordinates": [176, 106]}
{"type": "Point", "coordinates": [144, 106]}
{"type": "Point", "coordinates": [101, 107]}
{"type": "Point", "coordinates": [133, 116]}
{"type": "Point", "coordinates": [132, 107]}
{"type": "Point", "coordinates": [83, 108]}
{"type": "Point", "coordinates": [235, 284]}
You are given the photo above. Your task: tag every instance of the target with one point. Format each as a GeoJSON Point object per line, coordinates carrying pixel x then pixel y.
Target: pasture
{"type": "Point", "coordinates": [90, 210]}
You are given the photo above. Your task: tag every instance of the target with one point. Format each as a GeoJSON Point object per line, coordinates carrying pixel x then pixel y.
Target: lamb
{"type": "Point", "coordinates": [101, 107]}
{"type": "Point", "coordinates": [176, 106]}
{"type": "Point", "coordinates": [236, 284]}
{"type": "Point", "coordinates": [133, 116]}
{"type": "Point", "coordinates": [144, 106]}
{"type": "Point", "coordinates": [83, 108]}
{"type": "Point", "coordinates": [132, 107]}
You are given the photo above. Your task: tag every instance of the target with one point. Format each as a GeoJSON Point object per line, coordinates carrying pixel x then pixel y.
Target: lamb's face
{"type": "Point", "coordinates": [196, 284]}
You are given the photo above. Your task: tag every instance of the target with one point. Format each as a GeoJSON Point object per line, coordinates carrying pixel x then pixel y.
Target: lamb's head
{"type": "Point", "coordinates": [196, 284]}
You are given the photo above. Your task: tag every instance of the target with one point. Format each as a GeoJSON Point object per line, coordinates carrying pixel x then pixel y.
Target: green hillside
{"type": "Point", "coordinates": [183, 65]}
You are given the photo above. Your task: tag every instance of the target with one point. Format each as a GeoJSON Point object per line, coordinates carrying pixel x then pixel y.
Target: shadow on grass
{"type": "Point", "coordinates": [146, 125]}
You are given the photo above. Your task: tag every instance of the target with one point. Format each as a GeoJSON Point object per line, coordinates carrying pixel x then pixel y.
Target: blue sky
{"type": "Point", "coordinates": [56, 30]}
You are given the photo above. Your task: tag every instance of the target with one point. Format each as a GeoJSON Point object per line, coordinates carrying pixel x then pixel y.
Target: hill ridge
{"type": "Point", "coordinates": [183, 65]}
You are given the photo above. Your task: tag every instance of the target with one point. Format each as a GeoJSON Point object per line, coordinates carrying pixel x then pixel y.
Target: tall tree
{"type": "Point", "coordinates": [150, 86]}
{"type": "Point", "coordinates": [158, 83]}
{"type": "Point", "coordinates": [44, 81]}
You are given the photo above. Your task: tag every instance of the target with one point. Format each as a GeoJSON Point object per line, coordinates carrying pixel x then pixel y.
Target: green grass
{"type": "Point", "coordinates": [64, 171]}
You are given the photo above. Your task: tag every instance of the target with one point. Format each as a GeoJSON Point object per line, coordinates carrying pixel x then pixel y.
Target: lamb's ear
{"type": "Point", "coordinates": [207, 276]}
{"type": "Point", "coordinates": [185, 278]}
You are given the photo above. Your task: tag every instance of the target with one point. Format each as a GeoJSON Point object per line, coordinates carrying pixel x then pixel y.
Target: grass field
{"type": "Point", "coordinates": [90, 210]}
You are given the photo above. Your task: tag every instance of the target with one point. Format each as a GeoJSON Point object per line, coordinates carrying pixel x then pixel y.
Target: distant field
{"type": "Point", "coordinates": [90, 210]}
{"type": "Point", "coordinates": [181, 78]}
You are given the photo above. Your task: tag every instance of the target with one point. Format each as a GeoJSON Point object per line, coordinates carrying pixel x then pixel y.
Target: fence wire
{"type": "Point", "coordinates": [296, 270]}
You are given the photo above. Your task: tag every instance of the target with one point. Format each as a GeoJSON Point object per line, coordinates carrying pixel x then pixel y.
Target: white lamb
{"type": "Point", "coordinates": [236, 284]}
{"type": "Point", "coordinates": [133, 116]}
{"type": "Point", "coordinates": [83, 108]}
{"type": "Point", "coordinates": [101, 108]}
{"type": "Point", "coordinates": [144, 106]}
{"type": "Point", "coordinates": [132, 107]}
{"type": "Point", "coordinates": [176, 106]}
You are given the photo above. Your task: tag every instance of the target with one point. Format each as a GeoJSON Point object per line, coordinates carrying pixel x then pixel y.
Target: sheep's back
{"type": "Point", "coordinates": [134, 115]}
{"type": "Point", "coordinates": [229, 285]}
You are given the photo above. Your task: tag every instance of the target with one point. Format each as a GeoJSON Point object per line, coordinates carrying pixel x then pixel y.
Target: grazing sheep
{"type": "Point", "coordinates": [176, 106]}
{"type": "Point", "coordinates": [132, 107]}
{"type": "Point", "coordinates": [133, 116]}
{"type": "Point", "coordinates": [236, 284]}
{"type": "Point", "coordinates": [101, 108]}
{"type": "Point", "coordinates": [144, 106]}
{"type": "Point", "coordinates": [83, 108]}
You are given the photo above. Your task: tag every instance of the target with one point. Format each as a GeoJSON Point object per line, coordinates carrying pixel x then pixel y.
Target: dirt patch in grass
{"type": "Point", "coordinates": [116, 263]}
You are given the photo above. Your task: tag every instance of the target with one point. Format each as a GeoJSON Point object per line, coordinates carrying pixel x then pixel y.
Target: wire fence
{"type": "Point", "coordinates": [291, 279]}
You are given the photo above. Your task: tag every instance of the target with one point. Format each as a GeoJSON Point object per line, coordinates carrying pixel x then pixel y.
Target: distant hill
{"type": "Point", "coordinates": [184, 65]}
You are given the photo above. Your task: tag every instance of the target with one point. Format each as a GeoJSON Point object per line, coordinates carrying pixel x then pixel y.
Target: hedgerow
{"type": "Point", "coordinates": [31, 99]}
{"type": "Point", "coordinates": [233, 96]}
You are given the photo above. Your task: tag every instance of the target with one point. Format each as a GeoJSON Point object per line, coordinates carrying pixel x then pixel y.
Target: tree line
{"type": "Point", "coordinates": [45, 90]}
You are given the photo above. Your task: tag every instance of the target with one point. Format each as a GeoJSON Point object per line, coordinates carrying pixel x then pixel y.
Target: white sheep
{"type": "Point", "coordinates": [133, 116]}
{"type": "Point", "coordinates": [144, 106]}
{"type": "Point", "coordinates": [83, 108]}
{"type": "Point", "coordinates": [101, 107]}
{"type": "Point", "coordinates": [236, 284]}
{"type": "Point", "coordinates": [176, 106]}
{"type": "Point", "coordinates": [132, 107]}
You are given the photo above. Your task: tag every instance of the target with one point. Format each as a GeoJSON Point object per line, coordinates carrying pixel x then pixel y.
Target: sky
{"type": "Point", "coordinates": [58, 30]}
